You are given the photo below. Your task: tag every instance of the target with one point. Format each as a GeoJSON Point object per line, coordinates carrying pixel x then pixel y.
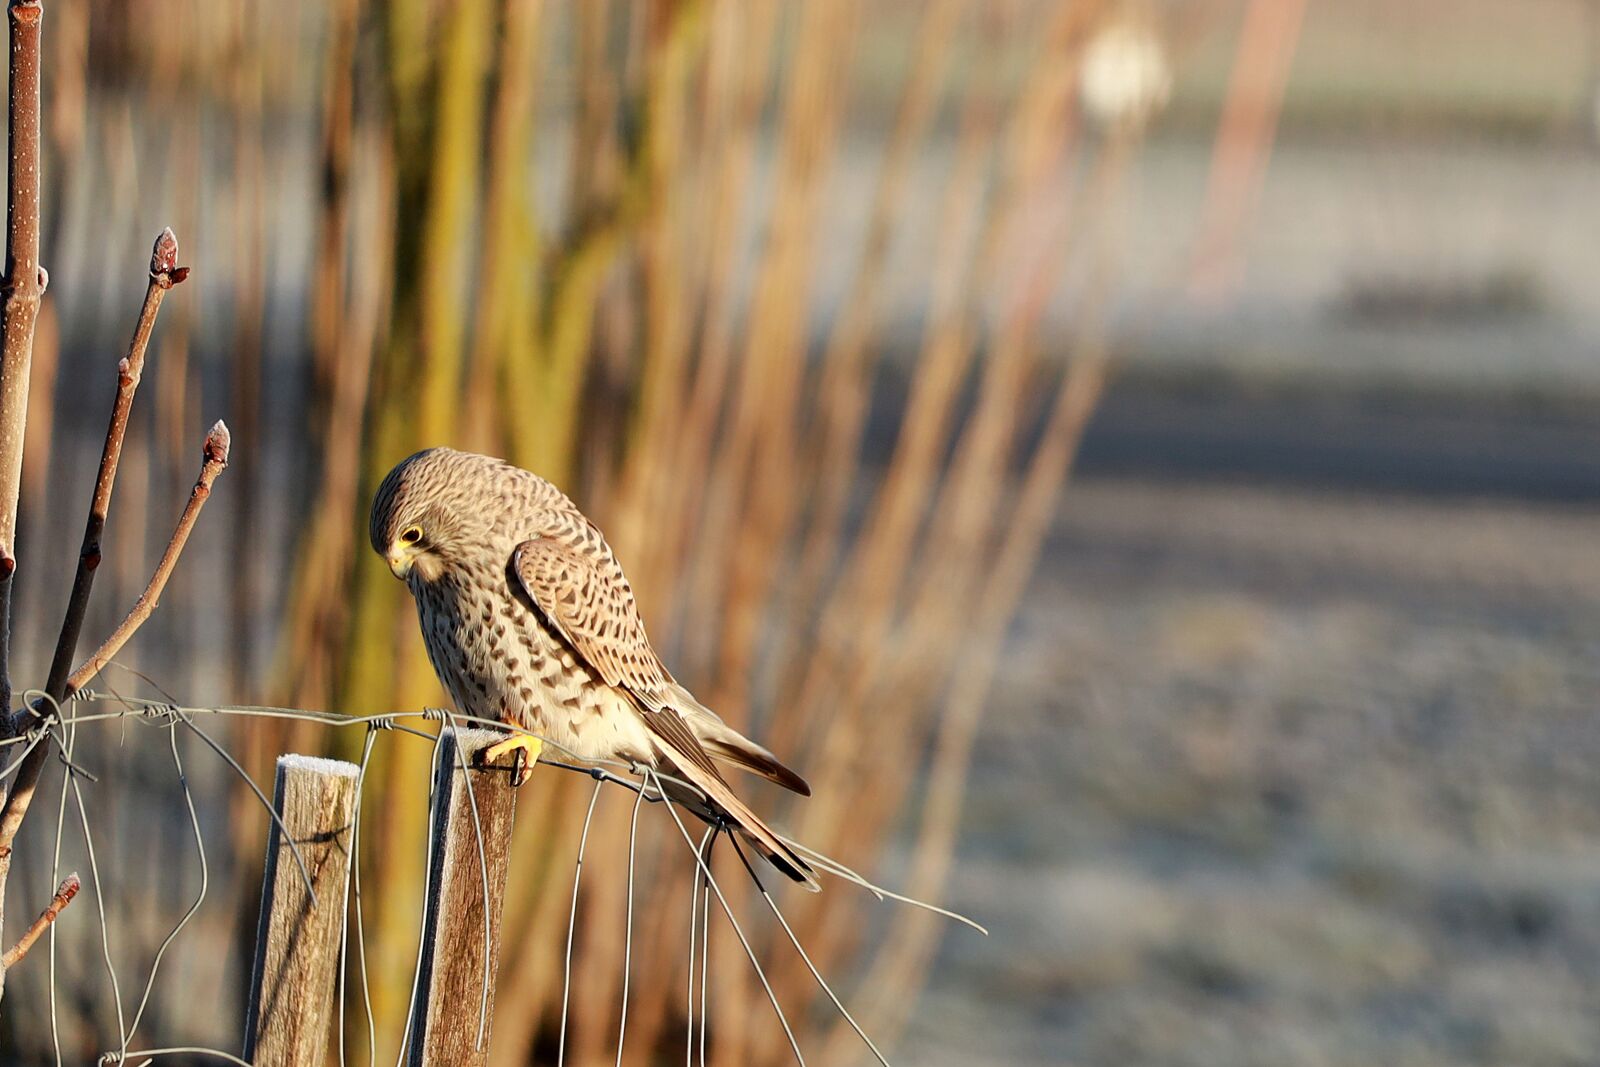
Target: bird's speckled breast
{"type": "Point", "coordinates": [499, 660]}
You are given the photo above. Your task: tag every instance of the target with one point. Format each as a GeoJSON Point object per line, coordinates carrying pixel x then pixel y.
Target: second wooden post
{"type": "Point", "coordinates": [291, 1006]}
{"type": "Point", "coordinates": [455, 998]}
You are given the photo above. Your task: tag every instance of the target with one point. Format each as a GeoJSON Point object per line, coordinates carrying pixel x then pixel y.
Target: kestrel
{"type": "Point", "coordinates": [529, 620]}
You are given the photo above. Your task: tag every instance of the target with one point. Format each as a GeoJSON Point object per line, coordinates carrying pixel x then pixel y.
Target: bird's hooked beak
{"type": "Point", "coordinates": [399, 559]}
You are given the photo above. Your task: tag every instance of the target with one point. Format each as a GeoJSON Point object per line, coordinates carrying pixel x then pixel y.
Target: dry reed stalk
{"type": "Point", "coordinates": [843, 388]}
{"type": "Point", "coordinates": [668, 277]}
{"type": "Point", "coordinates": [740, 49]}
{"type": "Point", "coordinates": [508, 267]}
{"type": "Point", "coordinates": [862, 604]}
{"type": "Point", "coordinates": [249, 324]}
{"type": "Point", "coordinates": [936, 375]}
{"type": "Point", "coordinates": [68, 98]}
{"type": "Point", "coordinates": [940, 627]}
{"type": "Point", "coordinates": [748, 511]}
{"type": "Point", "coordinates": [748, 506]}
{"type": "Point", "coordinates": [433, 115]}
{"type": "Point", "coordinates": [445, 264]}
{"type": "Point", "coordinates": [676, 35]}
{"type": "Point", "coordinates": [910, 942]}
{"type": "Point", "coordinates": [664, 936]}
{"type": "Point", "coordinates": [965, 498]}
{"type": "Point", "coordinates": [318, 622]}
{"type": "Point", "coordinates": [595, 173]}
{"type": "Point", "coordinates": [1260, 74]}
{"type": "Point", "coordinates": [332, 231]}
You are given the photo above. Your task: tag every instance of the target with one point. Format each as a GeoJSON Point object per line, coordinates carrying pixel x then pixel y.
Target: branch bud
{"type": "Point", "coordinates": [164, 256]}
{"type": "Point", "coordinates": [217, 442]}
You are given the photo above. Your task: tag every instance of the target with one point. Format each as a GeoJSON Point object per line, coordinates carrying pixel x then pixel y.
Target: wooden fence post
{"type": "Point", "coordinates": [297, 941]}
{"type": "Point", "coordinates": [453, 984]}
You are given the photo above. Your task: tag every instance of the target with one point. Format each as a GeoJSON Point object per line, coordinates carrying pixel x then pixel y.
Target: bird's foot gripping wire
{"type": "Point", "coordinates": [526, 749]}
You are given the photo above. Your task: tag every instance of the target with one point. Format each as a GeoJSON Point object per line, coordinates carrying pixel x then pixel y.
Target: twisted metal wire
{"type": "Point", "coordinates": [55, 724]}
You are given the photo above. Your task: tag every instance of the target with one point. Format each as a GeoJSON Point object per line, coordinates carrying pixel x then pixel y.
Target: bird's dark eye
{"type": "Point", "coordinates": [410, 535]}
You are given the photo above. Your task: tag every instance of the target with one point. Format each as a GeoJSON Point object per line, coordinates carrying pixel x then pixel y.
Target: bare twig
{"type": "Point", "coordinates": [64, 893]}
{"type": "Point", "coordinates": [23, 288]}
{"type": "Point", "coordinates": [27, 780]}
{"type": "Point", "coordinates": [164, 274]}
{"type": "Point", "coordinates": [216, 458]}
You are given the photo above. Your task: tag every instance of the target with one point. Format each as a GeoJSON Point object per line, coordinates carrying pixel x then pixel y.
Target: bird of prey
{"type": "Point", "coordinates": [529, 620]}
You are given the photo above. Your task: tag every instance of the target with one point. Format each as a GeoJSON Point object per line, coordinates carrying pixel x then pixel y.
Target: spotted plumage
{"type": "Point", "coordinates": [528, 619]}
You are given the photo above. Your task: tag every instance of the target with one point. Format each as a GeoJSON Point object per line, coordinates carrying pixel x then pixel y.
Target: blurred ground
{"type": "Point", "coordinates": [1318, 770]}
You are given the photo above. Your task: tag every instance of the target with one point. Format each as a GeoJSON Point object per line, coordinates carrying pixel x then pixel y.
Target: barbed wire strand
{"type": "Point", "coordinates": [427, 887]}
{"type": "Point", "coordinates": [99, 895]}
{"type": "Point", "coordinates": [115, 1059]}
{"type": "Point", "coordinates": [672, 809]}
{"type": "Point", "coordinates": [694, 918]}
{"type": "Point", "coordinates": [583, 766]}
{"type": "Point", "coordinates": [627, 936]}
{"type": "Point", "coordinates": [55, 871]}
{"type": "Point", "coordinates": [205, 883]}
{"type": "Point", "coordinates": [352, 876]}
{"type": "Point", "coordinates": [227, 757]}
{"type": "Point", "coordinates": [572, 923]}
{"type": "Point", "coordinates": [688, 1009]}
{"type": "Point", "coordinates": [839, 870]}
{"type": "Point", "coordinates": [166, 722]}
{"type": "Point", "coordinates": [705, 943]}
{"type": "Point", "coordinates": [33, 742]}
{"type": "Point", "coordinates": [649, 787]}
{"type": "Point", "coordinates": [483, 871]}
{"type": "Point", "coordinates": [795, 941]}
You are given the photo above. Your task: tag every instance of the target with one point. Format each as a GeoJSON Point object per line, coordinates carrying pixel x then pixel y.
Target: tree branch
{"type": "Point", "coordinates": [216, 458]}
{"type": "Point", "coordinates": [23, 287]}
{"type": "Point", "coordinates": [164, 274]}
{"type": "Point", "coordinates": [64, 894]}
{"type": "Point", "coordinates": [27, 780]}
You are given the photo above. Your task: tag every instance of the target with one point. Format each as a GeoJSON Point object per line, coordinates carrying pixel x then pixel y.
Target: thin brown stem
{"type": "Point", "coordinates": [64, 893]}
{"type": "Point", "coordinates": [216, 458]}
{"type": "Point", "coordinates": [23, 288]}
{"type": "Point", "coordinates": [164, 274]}
{"type": "Point", "coordinates": [27, 780]}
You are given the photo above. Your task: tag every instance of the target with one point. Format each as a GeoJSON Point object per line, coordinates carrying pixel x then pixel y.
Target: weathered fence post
{"type": "Point", "coordinates": [297, 941]}
{"type": "Point", "coordinates": [455, 988]}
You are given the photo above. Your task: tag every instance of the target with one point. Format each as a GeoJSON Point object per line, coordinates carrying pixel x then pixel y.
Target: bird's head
{"type": "Point", "coordinates": [421, 512]}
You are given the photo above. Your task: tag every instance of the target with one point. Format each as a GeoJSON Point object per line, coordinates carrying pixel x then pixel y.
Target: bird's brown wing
{"type": "Point", "coordinates": [577, 585]}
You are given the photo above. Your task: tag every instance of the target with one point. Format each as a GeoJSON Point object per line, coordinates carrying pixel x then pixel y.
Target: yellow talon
{"type": "Point", "coordinates": [527, 750]}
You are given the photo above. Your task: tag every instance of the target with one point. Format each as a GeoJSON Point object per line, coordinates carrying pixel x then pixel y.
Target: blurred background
{"type": "Point", "coordinates": [1136, 458]}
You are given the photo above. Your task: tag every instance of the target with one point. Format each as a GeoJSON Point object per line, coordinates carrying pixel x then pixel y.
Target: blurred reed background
{"type": "Point", "coordinates": [651, 250]}
{"type": "Point", "coordinates": [808, 305]}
